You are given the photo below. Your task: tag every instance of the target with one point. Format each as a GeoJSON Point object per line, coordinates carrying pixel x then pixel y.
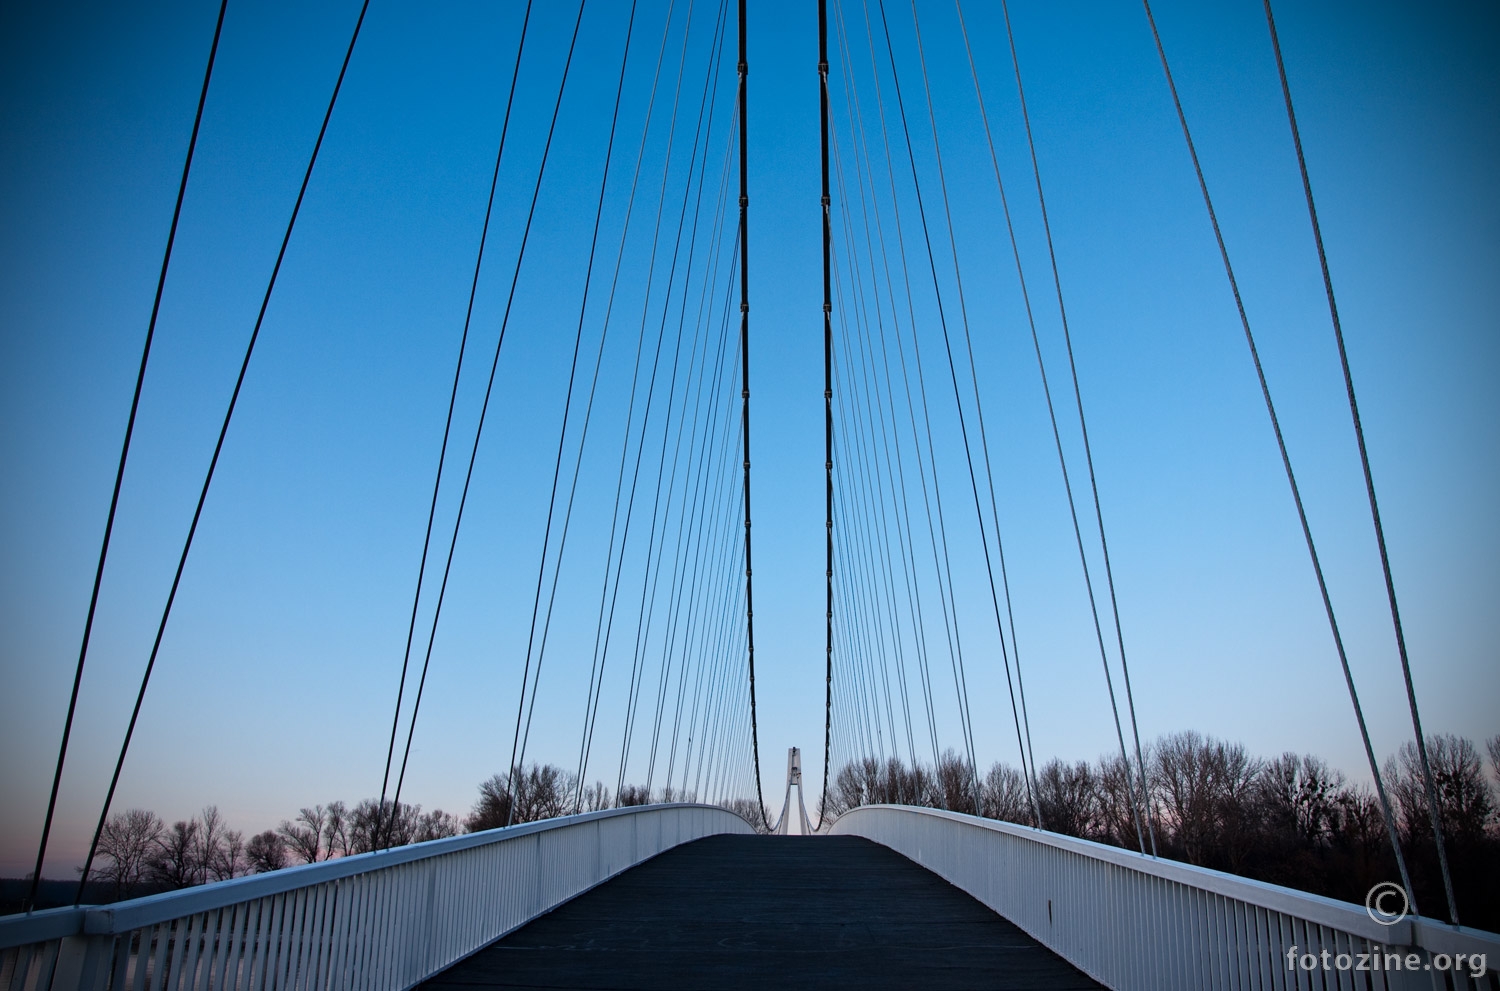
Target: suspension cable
{"type": "Point", "coordinates": [452, 402]}
{"type": "Point", "coordinates": [114, 498]}
{"type": "Point", "coordinates": [936, 494]}
{"type": "Point", "coordinates": [213, 463]}
{"type": "Point", "coordinates": [660, 512]}
{"type": "Point", "coordinates": [827, 398]}
{"type": "Point", "coordinates": [1088, 455]}
{"type": "Point", "coordinates": [1030, 753]}
{"type": "Point", "coordinates": [483, 413]}
{"type": "Point", "coordinates": [1286, 463]}
{"type": "Point", "coordinates": [518, 763]}
{"type": "Point", "coordinates": [631, 694]}
{"type": "Point", "coordinates": [744, 71]}
{"type": "Point", "coordinates": [484, 409]}
{"type": "Point", "coordinates": [1089, 587]}
{"type": "Point", "coordinates": [1364, 461]}
{"type": "Point", "coordinates": [960, 681]}
{"type": "Point", "coordinates": [873, 408]}
{"type": "Point", "coordinates": [907, 541]}
{"type": "Point", "coordinates": [978, 406]}
{"type": "Point", "coordinates": [865, 496]}
{"type": "Point", "coordinates": [601, 632]}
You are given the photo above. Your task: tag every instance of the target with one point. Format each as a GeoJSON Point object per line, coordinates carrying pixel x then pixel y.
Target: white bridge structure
{"type": "Point", "coordinates": [1083, 914]}
{"type": "Point", "coordinates": [388, 921]}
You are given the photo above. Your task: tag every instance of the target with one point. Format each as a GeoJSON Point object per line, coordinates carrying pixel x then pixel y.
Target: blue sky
{"type": "Point", "coordinates": [278, 673]}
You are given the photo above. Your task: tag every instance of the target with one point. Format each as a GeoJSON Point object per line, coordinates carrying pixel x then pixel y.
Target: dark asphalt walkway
{"type": "Point", "coordinates": [768, 911]}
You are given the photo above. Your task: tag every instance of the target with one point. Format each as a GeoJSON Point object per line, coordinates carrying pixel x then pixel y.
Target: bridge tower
{"type": "Point", "coordinates": [794, 777]}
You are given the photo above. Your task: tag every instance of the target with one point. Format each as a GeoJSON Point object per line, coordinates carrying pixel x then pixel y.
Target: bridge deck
{"type": "Point", "coordinates": [753, 911]}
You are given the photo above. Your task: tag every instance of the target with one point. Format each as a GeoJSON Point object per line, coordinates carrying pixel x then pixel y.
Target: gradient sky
{"type": "Point", "coordinates": [276, 679]}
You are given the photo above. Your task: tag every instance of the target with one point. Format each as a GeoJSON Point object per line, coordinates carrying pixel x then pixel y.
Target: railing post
{"type": "Point", "coordinates": [82, 963]}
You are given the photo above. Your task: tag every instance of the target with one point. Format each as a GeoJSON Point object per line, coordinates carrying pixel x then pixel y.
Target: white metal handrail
{"type": "Point", "coordinates": [1137, 922]}
{"type": "Point", "coordinates": [382, 921]}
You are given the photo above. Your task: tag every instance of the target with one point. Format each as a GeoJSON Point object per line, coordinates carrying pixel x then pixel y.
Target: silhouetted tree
{"type": "Point", "coordinates": [594, 798]}
{"type": "Point", "coordinates": [376, 825]}
{"type": "Point", "coordinates": [266, 852]}
{"type": "Point", "coordinates": [221, 850]}
{"type": "Point", "coordinates": [543, 791]}
{"type": "Point", "coordinates": [126, 849]}
{"type": "Point", "coordinates": [748, 810]}
{"type": "Point", "coordinates": [1004, 796]}
{"type": "Point", "coordinates": [304, 837]}
{"type": "Point", "coordinates": [434, 825]}
{"type": "Point", "coordinates": [955, 783]}
{"type": "Point", "coordinates": [1204, 788]}
{"type": "Point", "coordinates": [1116, 782]}
{"type": "Point", "coordinates": [1292, 820]}
{"type": "Point", "coordinates": [630, 795]}
{"type": "Point", "coordinates": [1067, 794]}
{"type": "Point", "coordinates": [336, 830]}
{"type": "Point", "coordinates": [175, 863]}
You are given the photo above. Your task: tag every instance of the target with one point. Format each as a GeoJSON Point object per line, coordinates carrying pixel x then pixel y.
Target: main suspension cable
{"type": "Point", "coordinates": [744, 70]}
{"type": "Point", "coordinates": [827, 401]}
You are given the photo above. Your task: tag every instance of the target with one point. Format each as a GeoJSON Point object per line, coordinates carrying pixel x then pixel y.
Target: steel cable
{"type": "Point", "coordinates": [213, 463]}
{"type": "Point", "coordinates": [1286, 462]}
{"type": "Point", "coordinates": [114, 498]}
{"type": "Point", "coordinates": [1364, 461]}
{"type": "Point", "coordinates": [452, 402]}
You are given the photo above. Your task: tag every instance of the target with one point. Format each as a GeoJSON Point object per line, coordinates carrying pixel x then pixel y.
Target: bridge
{"type": "Point", "coordinates": [695, 885]}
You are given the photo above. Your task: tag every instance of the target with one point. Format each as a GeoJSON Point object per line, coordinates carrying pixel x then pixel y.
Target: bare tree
{"type": "Point", "coordinates": [1067, 794]}
{"type": "Point", "coordinates": [747, 810]}
{"type": "Point", "coordinates": [493, 808]}
{"type": "Point", "coordinates": [126, 848]}
{"type": "Point", "coordinates": [1004, 795]}
{"type": "Point", "coordinates": [230, 862]}
{"type": "Point", "coordinates": [304, 838]}
{"type": "Point", "coordinates": [543, 791]}
{"type": "Point", "coordinates": [176, 861]}
{"type": "Point", "coordinates": [1116, 798]}
{"type": "Point", "coordinates": [955, 783]}
{"type": "Point", "coordinates": [336, 830]}
{"type": "Point", "coordinates": [221, 850]}
{"type": "Point", "coordinates": [435, 825]}
{"type": "Point", "coordinates": [857, 783]}
{"type": "Point", "coordinates": [1205, 787]}
{"type": "Point", "coordinates": [1300, 797]}
{"type": "Point", "coordinates": [1465, 805]}
{"type": "Point", "coordinates": [375, 825]}
{"type": "Point", "coordinates": [629, 795]}
{"type": "Point", "coordinates": [594, 797]}
{"type": "Point", "coordinates": [900, 785]}
{"type": "Point", "coordinates": [266, 852]}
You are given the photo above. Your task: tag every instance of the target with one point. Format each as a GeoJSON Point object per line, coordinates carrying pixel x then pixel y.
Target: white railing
{"type": "Point", "coordinates": [380, 921]}
{"type": "Point", "coordinates": [1136, 922]}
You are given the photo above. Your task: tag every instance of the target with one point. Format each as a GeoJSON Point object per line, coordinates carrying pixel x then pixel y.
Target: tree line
{"type": "Point", "coordinates": [140, 854]}
{"type": "Point", "coordinates": [1289, 820]}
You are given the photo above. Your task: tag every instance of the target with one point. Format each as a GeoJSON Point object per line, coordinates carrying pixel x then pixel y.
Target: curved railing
{"type": "Point", "coordinates": [1137, 922]}
{"type": "Point", "coordinates": [382, 921]}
